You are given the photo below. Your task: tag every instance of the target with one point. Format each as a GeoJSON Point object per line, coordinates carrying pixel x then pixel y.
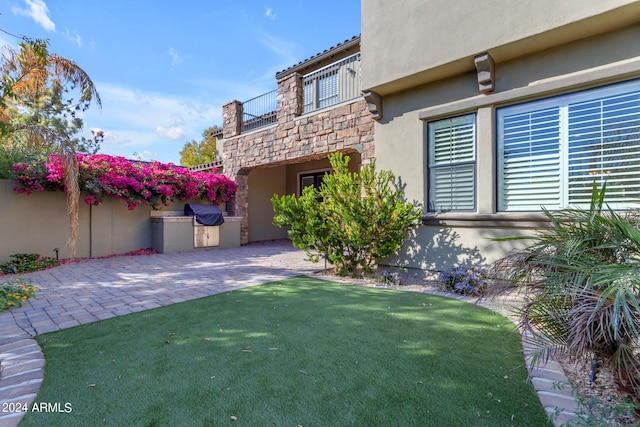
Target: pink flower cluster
{"type": "Point", "coordinates": [138, 183]}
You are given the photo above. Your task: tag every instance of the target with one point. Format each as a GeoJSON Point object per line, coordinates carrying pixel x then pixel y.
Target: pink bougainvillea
{"type": "Point", "coordinates": [137, 183]}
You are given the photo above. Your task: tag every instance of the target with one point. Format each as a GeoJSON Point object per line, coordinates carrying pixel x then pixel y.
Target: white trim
{"type": "Point", "coordinates": [562, 105]}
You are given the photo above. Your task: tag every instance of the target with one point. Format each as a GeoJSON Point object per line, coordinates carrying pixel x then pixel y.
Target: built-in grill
{"type": "Point", "coordinates": [204, 214]}
{"type": "Point", "coordinates": [198, 226]}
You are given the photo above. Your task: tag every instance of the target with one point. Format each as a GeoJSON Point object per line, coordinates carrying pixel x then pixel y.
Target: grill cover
{"type": "Point", "coordinates": [205, 214]}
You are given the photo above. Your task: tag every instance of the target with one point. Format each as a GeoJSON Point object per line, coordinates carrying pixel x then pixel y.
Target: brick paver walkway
{"type": "Point", "coordinates": [75, 294]}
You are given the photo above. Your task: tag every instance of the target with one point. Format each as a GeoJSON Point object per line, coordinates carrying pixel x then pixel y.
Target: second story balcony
{"type": "Point", "coordinates": [259, 111]}
{"type": "Point", "coordinates": [324, 84]}
{"type": "Point", "coordinates": [333, 84]}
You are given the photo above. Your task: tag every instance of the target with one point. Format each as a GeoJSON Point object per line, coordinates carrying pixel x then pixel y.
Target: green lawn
{"type": "Point", "coordinates": [296, 352]}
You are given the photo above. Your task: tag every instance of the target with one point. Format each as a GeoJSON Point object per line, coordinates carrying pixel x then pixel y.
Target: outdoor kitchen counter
{"type": "Point", "coordinates": [179, 233]}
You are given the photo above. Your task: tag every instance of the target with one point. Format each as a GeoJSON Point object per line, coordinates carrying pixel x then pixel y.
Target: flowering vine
{"type": "Point", "coordinates": [138, 183]}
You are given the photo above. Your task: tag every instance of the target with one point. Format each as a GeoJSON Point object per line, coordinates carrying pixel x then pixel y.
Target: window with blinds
{"type": "Point", "coordinates": [550, 152]}
{"type": "Point", "coordinates": [328, 89]}
{"type": "Point", "coordinates": [308, 95]}
{"type": "Point", "coordinates": [452, 164]}
{"type": "Point", "coordinates": [321, 91]}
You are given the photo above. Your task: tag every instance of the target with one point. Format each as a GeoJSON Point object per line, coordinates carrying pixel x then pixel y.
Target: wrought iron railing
{"type": "Point", "coordinates": [216, 164]}
{"type": "Point", "coordinates": [259, 111]}
{"type": "Point", "coordinates": [333, 84]}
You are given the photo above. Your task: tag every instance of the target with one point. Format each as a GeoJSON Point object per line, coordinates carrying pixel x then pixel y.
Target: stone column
{"type": "Point", "coordinates": [241, 205]}
{"type": "Point", "coordinates": [231, 119]}
{"type": "Point", "coordinates": [290, 98]}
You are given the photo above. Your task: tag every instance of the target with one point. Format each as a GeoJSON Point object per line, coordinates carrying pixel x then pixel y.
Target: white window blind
{"type": "Point", "coordinates": [328, 89]}
{"type": "Point", "coordinates": [550, 152]}
{"type": "Point", "coordinates": [529, 156]}
{"type": "Point", "coordinates": [309, 95]}
{"type": "Point", "coordinates": [321, 91]}
{"type": "Point", "coordinates": [604, 144]}
{"type": "Point", "coordinates": [452, 164]}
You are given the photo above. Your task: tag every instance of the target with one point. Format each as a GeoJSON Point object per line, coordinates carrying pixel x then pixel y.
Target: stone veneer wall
{"type": "Point", "coordinates": [295, 138]}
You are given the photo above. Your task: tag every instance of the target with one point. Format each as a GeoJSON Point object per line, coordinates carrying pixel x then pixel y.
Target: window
{"type": "Point", "coordinates": [452, 165]}
{"type": "Point", "coordinates": [331, 84]}
{"type": "Point", "coordinates": [321, 91]}
{"type": "Point", "coordinates": [328, 90]}
{"type": "Point", "coordinates": [551, 151]}
{"type": "Point", "coordinates": [311, 179]}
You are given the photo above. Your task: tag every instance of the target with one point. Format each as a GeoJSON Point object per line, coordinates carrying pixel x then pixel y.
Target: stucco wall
{"type": "Point", "coordinates": [263, 184]}
{"type": "Point", "coordinates": [38, 223]}
{"type": "Point", "coordinates": [424, 41]}
{"type": "Point", "coordinates": [455, 238]}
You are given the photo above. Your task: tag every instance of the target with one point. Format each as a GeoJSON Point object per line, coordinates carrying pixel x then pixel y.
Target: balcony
{"type": "Point", "coordinates": [259, 111]}
{"type": "Point", "coordinates": [333, 84]}
{"type": "Point", "coordinates": [330, 85]}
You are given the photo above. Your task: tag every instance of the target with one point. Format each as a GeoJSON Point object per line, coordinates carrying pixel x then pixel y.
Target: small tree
{"type": "Point", "coordinates": [355, 220]}
{"type": "Point", "coordinates": [197, 153]}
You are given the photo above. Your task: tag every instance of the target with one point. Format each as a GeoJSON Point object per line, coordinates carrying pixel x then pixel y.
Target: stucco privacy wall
{"type": "Point", "coordinates": [572, 64]}
{"type": "Point", "coordinates": [294, 139]}
{"type": "Point", "coordinates": [38, 223]}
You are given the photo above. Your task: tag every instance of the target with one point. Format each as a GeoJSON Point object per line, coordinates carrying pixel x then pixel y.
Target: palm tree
{"type": "Point", "coordinates": [583, 277]}
{"type": "Point", "coordinates": [29, 76]}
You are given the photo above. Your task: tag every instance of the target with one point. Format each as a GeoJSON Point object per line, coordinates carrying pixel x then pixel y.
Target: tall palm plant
{"type": "Point", "coordinates": [583, 277]}
{"type": "Point", "coordinates": [29, 75]}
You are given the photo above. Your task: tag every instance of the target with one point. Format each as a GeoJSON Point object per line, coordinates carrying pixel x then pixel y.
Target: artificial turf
{"type": "Point", "coordinates": [298, 352]}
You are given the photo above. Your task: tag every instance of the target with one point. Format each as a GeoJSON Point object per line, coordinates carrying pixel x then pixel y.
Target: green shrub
{"type": "Point", "coordinates": [355, 220]}
{"type": "Point", "coordinates": [13, 294]}
{"type": "Point", "coordinates": [583, 272]}
{"type": "Point", "coordinates": [24, 263]}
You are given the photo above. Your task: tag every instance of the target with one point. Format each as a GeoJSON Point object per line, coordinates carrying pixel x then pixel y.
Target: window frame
{"type": "Point", "coordinates": [314, 96]}
{"type": "Point", "coordinates": [464, 165]}
{"type": "Point", "coordinates": [568, 160]}
{"type": "Point", "coordinates": [316, 173]}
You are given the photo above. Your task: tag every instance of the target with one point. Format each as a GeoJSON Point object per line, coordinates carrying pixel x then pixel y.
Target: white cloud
{"type": "Point", "coordinates": [175, 57]}
{"type": "Point", "coordinates": [134, 121]}
{"type": "Point", "coordinates": [172, 132]}
{"type": "Point", "coordinates": [286, 51]}
{"type": "Point", "coordinates": [144, 155]}
{"type": "Point", "coordinates": [37, 11]}
{"type": "Point", "coordinates": [269, 14]}
{"type": "Point", "coordinates": [74, 37]}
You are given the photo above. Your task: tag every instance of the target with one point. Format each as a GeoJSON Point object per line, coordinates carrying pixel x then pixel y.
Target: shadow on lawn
{"type": "Point", "coordinates": [300, 351]}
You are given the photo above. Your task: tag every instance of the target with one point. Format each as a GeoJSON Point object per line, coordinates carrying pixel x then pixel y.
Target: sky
{"type": "Point", "coordinates": [164, 68]}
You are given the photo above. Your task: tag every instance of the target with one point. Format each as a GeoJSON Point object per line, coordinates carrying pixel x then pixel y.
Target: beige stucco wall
{"type": "Point", "coordinates": [263, 184]}
{"type": "Point", "coordinates": [455, 238]}
{"type": "Point", "coordinates": [424, 41]}
{"type": "Point", "coordinates": [294, 171]}
{"type": "Point", "coordinates": [38, 223]}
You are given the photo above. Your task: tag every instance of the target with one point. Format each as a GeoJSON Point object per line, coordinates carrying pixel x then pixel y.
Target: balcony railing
{"type": "Point", "coordinates": [337, 82]}
{"type": "Point", "coordinates": [333, 84]}
{"type": "Point", "coordinates": [259, 111]}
